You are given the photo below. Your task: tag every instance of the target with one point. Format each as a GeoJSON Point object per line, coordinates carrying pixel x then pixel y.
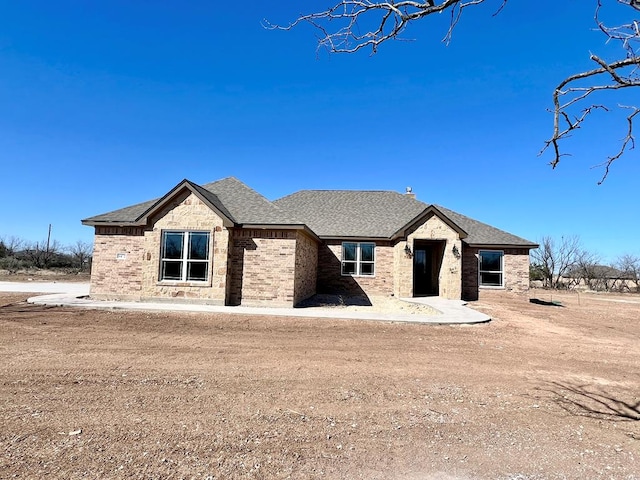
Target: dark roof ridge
{"type": "Point", "coordinates": [432, 209]}
{"type": "Point", "coordinates": [209, 198]}
{"type": "Point", "coordinates": [206, 186]}
{"type": "Point", "coordinates": [274, 214]}
{"type": "Point", "coordinates": [352, 213]}
{"type": "Point", "coordinates": [345, 190]}
{"type": "Point", "coordinates": [212, 198]}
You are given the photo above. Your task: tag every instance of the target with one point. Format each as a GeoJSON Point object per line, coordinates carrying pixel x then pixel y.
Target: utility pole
{"type": "Point", "coordinates": [48, 239]}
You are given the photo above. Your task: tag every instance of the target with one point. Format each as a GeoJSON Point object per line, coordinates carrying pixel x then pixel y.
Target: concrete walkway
{"type": "Point", "coordinates": [75, 295]}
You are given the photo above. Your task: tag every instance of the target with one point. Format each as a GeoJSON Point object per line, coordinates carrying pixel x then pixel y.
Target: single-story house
{"type": "Point", "coordinates": [599, 278]}
{"type": "Point", "coordinates": [224, 243]}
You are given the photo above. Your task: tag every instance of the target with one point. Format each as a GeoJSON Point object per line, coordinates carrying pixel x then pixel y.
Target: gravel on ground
{"type": "Point", "coordinates": [547, 390]}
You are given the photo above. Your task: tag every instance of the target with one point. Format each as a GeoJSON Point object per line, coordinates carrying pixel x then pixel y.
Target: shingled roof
{"type": "Point", "coordinates": [380, 214]}
{"type": "Point", "coordinates": [480, 234]}
{"type": "Point", "coordinates": [236, 201]}
{"type": "Point", "coordinates": [247, 206]}
{"type": "Point", "coordinates": [123, 215]}
{"type": "Point", "coordinates": [327, 213]}
{"type": "Point", "coordinates": [352, 213]}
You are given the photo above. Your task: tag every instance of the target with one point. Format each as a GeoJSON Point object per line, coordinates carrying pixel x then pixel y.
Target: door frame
{"type": "Point", "coordinates": [434, 248]}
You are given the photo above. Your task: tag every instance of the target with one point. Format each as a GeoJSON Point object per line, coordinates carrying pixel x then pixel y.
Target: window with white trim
{"type": "Point", "coordinates": [491, 268]}
{"type": "Point", "coordinates": [184, 256]}
{"type": "Point", "coordinates": [358, 259]}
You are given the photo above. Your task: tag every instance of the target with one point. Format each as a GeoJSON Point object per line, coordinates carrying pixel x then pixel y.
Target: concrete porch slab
{"type": "Point", "coordinates": [452, 312]}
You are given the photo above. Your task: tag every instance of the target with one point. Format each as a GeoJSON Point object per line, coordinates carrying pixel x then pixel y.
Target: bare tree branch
{"type": "Point", "coordinates": [81, 252]}
{"type": "Point", "coordinates": [554, 259]}
{"type": "Point", "coordinates": [12, 244]}
{"type": "Point", "coordinates": [628, 141]}
{"type": "Point", "coordinates": [352, 25]}
{"type": "Point", "coordinates": [561, 110]}
{"type": "Point", "coordinates": [41, 254]}
{"type": "Point", "coordinates": [629, 265]}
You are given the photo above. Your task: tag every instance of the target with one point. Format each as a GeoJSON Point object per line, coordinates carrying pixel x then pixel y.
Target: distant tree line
{"type": "Point", "coordinates": [563, 264]}
{"type": "Point", "coordinates": [18, 254]}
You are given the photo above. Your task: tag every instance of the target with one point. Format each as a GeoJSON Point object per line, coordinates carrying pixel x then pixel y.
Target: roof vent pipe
{"type": "Point", "coordinates": [410, 193]}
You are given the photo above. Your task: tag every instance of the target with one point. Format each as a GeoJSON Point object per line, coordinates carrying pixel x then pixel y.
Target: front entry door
{"type": "Point", "coordinates": [423, 271]}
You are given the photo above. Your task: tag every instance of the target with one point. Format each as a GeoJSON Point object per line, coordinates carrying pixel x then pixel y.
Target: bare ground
{"type": "Point", "coordinates": [42, 275]}
{"type": "Point", "coordinates": [542, 392]}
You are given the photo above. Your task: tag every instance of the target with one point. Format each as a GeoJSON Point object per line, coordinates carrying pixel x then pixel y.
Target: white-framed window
{"type": "Point", "coordinates": [184, 256]}
{"type": "Point", "coordinates": [358, 259]}
{"type": "Point", "coordinates": [491, 268]}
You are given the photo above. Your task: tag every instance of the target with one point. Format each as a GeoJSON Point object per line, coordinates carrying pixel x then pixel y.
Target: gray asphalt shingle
{"type": "Point", "coordinates": [379, 214]}
{"type": "Point", "coordinates": [246, 205]}
{"type": "Point", "coordinates": [352, 213]}
{"type": "Point", "coordinates": [123, 215]}
{"type": "Point", "coordinates": [234, 199]}
{"type": "Point", "coordinates": [328, 213]}
{"type": "Point", "coordinates": [483, 234]}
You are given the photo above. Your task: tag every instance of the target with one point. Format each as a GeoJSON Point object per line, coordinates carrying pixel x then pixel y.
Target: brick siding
{"type": "Point", "coordinates": [263, 264]}
{"type": "Point", "coordinates": [136, 276]}
{"type": "Point", "coordinates": [331, 280]}
{"type": "Point", "coordinates": [277, 266]}
{"type": "Point", "coordinates": [116, 270]}
{"type": "Point", "coordinates": [516, 273]}
{"type": "Point", "coordinates": [306, 272]}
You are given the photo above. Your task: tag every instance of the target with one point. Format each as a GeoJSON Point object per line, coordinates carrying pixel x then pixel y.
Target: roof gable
{"type": "Point", "coordinates": [327, 213]}
{"type": "Point", "coordinates": [429, 212]}
{"type": "Point", "coordinates": [232, 200]}
{"type": "Point", "coordinates": [207, 197]}
{"type": "Point", "coordinates": [140, 213]}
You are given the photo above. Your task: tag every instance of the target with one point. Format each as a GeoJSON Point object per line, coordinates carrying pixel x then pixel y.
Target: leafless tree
{"type": "Point", "coordinates": [81, 253]}
{"type": "Point", "coordinates": [554, 260]}
{"type": "Point", "coordinates": [42, 254]}
{"type": "Point", "coordinates": [587, 269]}
{"type": "Point", "coordinates": [12, 244]}
{"type": "Point", "coordinates": [629, 265]}
{"type": "Point", "coordinates": [352, 25]}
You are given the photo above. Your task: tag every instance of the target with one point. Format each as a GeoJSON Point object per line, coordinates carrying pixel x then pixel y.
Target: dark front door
{"type": "Point", "coordinates": [423, 271]}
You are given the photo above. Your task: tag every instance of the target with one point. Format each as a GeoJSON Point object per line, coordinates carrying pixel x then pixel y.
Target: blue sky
{"type": "Point", "coordinates": [105, 104]}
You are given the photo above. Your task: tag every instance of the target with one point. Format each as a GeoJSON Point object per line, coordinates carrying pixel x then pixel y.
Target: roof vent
{"type": "Point", "coordinates": [410, 193]}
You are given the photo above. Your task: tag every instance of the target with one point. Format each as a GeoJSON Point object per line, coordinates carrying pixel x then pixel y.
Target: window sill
{"type": "Point", "coordinates": [174, 283]}
{"type": "Point", "coordinates": [492, 287]}
{"type": "Point", "coordinates": [357, 276]}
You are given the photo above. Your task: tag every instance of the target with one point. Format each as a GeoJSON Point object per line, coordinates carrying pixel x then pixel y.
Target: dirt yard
{"type": "Point", "coordinates": [542, 392]}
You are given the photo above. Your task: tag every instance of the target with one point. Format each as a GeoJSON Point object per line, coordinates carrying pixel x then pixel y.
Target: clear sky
{"type": "Point", "coordinates": [106, 104]}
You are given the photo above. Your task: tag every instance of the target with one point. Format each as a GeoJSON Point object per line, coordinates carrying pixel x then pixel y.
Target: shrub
{"type": "Point", "coordinates": [11, 264]}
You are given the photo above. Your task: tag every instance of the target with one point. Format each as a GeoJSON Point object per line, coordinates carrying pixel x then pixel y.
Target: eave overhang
{"type": "Point", "coordinates": [208, 198]}
{"type": "Point", "coordinates": [348, 238]}
{"type": "Point", "coordinates": [280, 226]}
{"type": "Point", "coordinates": [529, 246]}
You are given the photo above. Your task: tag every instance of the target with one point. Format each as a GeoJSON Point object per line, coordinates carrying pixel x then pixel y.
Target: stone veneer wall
{"type": "Point", "coordinates": [306, 266]}
{"type": "Point", "coordinates": [262, 264]}
{"type": "Point", "coordinates": [331, 280]}
{"type": "Point", "coordinates": [116, 270]}
{"type": "Point", "coordinates": [516, 272]}
{"type": "Point", "coordinates": [450, 280]}
{"type": "Point", "coordinates": [187, 212]}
